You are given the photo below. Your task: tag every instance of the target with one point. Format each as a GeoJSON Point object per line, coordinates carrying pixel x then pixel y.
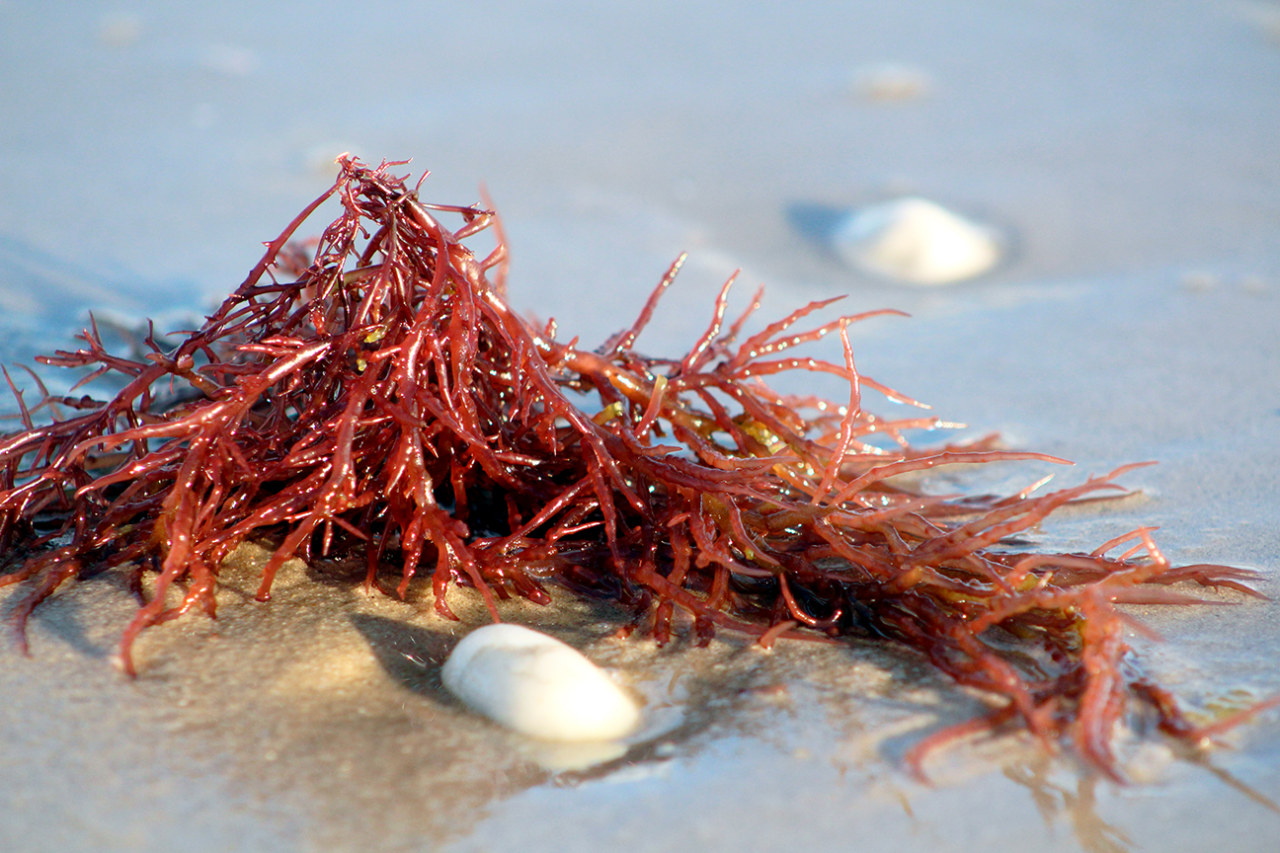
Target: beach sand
{"type": "Point", "coordinates": [1128, 151]}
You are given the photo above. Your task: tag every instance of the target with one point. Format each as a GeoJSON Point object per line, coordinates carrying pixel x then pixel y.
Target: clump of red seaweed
{"type": "Point", "coordinates": [388, 405]}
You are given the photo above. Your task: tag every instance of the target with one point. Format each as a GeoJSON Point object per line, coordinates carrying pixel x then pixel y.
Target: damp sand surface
{"type": "Point", "coordinates": [318, 722]}
{"type": "Point", "coordinates": [1128, 151]}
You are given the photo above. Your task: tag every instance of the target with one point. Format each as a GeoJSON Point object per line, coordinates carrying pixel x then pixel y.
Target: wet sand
{"type": "Point", "coordinates": [1129, 151]}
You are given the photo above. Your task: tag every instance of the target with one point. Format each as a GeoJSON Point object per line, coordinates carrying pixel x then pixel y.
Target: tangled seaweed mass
{"type": "Point", "coordinates": [387, 405]}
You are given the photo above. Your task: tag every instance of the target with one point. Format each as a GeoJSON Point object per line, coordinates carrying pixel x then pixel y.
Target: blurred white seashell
{"type": "Point", "coordinates": [891, 81]}
{"type": "Point", "coordinates": [916, 241]}
{"type": "Point", "coordinates": [538, 686]}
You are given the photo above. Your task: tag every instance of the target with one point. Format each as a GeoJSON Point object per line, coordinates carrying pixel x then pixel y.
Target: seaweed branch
{"type": "Point", "coordinates": [387, 405]}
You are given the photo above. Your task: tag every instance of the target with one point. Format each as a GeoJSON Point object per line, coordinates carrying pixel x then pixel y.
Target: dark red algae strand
{"type": "Point", "coordinates": [387, 405]}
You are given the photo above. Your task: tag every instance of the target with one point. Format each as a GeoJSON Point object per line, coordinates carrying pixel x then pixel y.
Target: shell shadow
{"type": "Point", "coordinates": [410, 654]}
{"type": "Point", "coordinates": [817, 224]}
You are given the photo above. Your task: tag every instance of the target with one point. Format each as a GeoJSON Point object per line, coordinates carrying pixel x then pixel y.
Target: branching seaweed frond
{"type": "Point", "coordinates": [388, 405]}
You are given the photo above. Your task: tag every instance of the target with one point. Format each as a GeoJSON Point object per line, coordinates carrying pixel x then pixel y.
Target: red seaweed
{"type": "Point", "coordinates": [387, 405]}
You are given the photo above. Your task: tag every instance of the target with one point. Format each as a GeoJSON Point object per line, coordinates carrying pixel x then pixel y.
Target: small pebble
{"type": "Point", "coordinates": [916, 241]}
{"type": "Point", "coordinates": [1255, 285]}
{"type": "Point", "coordinates": [537, 686]}
{"type": "Point", "coordinates": [1199, 281]}
{"type": "Point", "coordinates": [120, 31]}
{"type": "Point", "coordinates": [230, 60]}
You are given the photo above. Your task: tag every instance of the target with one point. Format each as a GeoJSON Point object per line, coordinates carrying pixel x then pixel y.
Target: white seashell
{"type": "Point", "coordinates": [538, 686]}
{"type": "Point", "coordinates": [916, 241]}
